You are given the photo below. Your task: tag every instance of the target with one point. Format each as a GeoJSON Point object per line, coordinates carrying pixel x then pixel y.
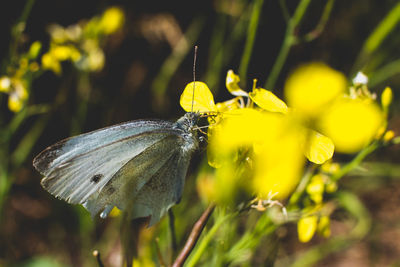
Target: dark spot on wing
{"type": "Point", "coordinates": [96, 178]}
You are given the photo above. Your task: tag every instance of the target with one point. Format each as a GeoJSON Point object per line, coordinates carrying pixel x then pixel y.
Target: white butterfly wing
{"type": "Point", "coordinates": [110, 167]}
{"type": "Point", "coordinates": [149, 184]}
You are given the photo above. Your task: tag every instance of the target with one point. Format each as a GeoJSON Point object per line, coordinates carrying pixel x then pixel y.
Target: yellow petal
{"type": "Point", "coordinates": [230, 104]}
{"type": "Point", "coordinates": [306, 228]}
{"type": "Point", "coordinates": [268, 101]}
{"type": "Point", "coordinates": [201, 101]}
{"type": "Point", "coordinates": [318, 148]}
{"type": "Point", "coordinates": [311, 87]}
{"type": "Point", "coordinates": [351, 124]}
{"type": "Point", "coordinates": [232, 84]}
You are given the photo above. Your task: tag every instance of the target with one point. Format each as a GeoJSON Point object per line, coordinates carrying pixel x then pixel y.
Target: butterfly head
{"type": "Point", "coordinates": [188, 121]}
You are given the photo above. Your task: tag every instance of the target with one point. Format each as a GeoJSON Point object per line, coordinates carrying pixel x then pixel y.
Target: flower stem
{"type": "Point", "coordinates": [251, 36]}
{"type": "Point", "coordinates": [356, 161]}
{"type": "Point", "coordinates": [288, 42]}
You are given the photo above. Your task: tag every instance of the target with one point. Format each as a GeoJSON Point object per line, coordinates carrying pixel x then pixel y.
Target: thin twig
{"type": "Point", "coordinates": [159, 254]}
{"type": "Point", "coordinates": [193, 237]}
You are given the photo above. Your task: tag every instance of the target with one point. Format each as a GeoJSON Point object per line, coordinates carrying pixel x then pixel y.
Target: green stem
{"type": "Point", "coordinates": [171, 64]}
{"type": "Point", "coordinates": [356, 161]}
{"type": "Point", "coordinates": [285, 11]}
{"type": "Point", "coordinates": [322, 22]}
{"type": "Point", "coordinates": [302, 185]}
{"type": "Point", "coordinates": [226, 50]}
{"type": "Point", "coordinates": [25, 146]}
{"type": "Point", "coordinates": [196, 255]}
{"type": "Point", "coordinates": [19, 27]}
{"type": "Point", "coordinates": [384, 73]}
{"type": "Point", "coordinates": [288, 42]}
{"type": "Point", "coordinates": [251, 36]}
{"type": "Point", "coordinates": [250, 240]}
{"type": "Point", "coordinates": [375, 39]}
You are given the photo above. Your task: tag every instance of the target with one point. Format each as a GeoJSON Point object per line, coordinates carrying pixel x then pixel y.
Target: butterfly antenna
{"type": "Point", "coordinates": [194, 72]}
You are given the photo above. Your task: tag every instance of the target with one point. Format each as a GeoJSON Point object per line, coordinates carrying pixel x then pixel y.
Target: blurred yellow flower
{"type": "Point", "coordinates": [311, 87]}
{"type": "Point", "coordinates": [206, 187]}
{"type": "Point", "coordinates": [49, 62]}
{"type": "Point", "coordinates": [388, 136]}
{"type": "Point", "coordinates": [65, 52]}
{"type": "Point", "coordinates": [315, 188]}
{"type": "Point", "coordinates": [264, 143]}
{"type": "Point", "coordinates": [386, 98]}
{"type": "Point", "coordinates": [351, 123]}
{"type": "Point", "coordinates": [115, 212]}
{"type": "Point", "coordinates": [18, 96]}
{"type": "Point", "coordinates": [5, 84]}
{"type": "Point", "coordinates": [306, 228]}
{"type": "Point", "coordinates": [111, 20]}
{"type": "Point", "coordinates": [324, 226]}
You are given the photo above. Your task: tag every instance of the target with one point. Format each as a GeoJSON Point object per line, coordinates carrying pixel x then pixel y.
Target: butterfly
{"type": "Point", "coordinates": [138, 166]}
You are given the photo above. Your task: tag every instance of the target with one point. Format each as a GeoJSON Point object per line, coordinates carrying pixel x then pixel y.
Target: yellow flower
{"type": "Point", "coordinates": [316, 188]}
{"type": "Point", "coordinates": [264, 144]}
{"type": "Point", "coordinates": [111, 20]}
{"type": "Point", "coordinates": [232, 84]}
{"type": "Point", "coordinates": [65, 52]}
{"type": "Point", "coordinates": [268, 101]}
{"type": "Point", "coordinates": [312, 87]}
{"type": "Point", "coordinates": [201, 100]}
{"type": "Point", "coordinates": [324, 226]}
{"type": "Point", "coordinates": [306, 228]}
{"type": "Point", "coordinates": [51, 63]}
{"type": "Point", "coordinates": [18, 96]}
{"type": "Point", "coordinates": [351, 123]}
{"type": "Point", "coordinates": [5, 84]}
{"type": "Point", "coordinates": [388, 136]}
